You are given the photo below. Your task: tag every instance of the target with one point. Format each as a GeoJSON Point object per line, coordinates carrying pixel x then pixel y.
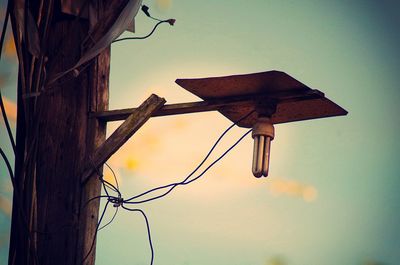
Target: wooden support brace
{"type": "Point", "coordinates": [134, 121]}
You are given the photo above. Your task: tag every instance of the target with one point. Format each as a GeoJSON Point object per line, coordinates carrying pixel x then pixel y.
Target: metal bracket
{"type": "Point", "coordinates": [212, 104]}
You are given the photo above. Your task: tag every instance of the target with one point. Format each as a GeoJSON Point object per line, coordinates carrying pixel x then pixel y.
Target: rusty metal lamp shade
{"type": "Point", "coordinates": [273, 94]}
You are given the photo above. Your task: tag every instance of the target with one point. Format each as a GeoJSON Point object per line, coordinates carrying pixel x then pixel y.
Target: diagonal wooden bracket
{"type": "Point", "coordinates": [132, 123]}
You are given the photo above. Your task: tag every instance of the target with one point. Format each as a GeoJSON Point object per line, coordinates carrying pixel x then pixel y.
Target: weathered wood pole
{"type": "Point", "coordinates": [52, 147]}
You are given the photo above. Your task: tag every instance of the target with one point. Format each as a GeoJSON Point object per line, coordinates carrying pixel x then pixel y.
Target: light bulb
{"type": "Point", "coordinates": [263, 133]}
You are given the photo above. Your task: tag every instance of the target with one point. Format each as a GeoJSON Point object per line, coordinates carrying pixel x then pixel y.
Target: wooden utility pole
{"type": "Point", "coordinates": [55, 134]}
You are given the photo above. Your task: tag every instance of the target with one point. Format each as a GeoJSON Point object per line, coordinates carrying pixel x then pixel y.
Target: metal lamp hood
{"type": "Point", "coordinates": [289, 99]}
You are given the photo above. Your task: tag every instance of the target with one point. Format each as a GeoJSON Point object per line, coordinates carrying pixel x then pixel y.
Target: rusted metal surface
{"type": "Point", "coordinates": [265, 86]}
{"type": "Point", "coordinates": [235, 85]}
{"type": "Point", "coordinates": [287, 111]}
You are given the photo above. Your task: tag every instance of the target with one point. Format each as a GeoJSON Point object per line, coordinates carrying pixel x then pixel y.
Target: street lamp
{"type": "Point", "coordinates": [263, 133]}
{"type": "Point", "coordinates": [275, 97]}
{"type": "Point", "coordinates": [257, 101]}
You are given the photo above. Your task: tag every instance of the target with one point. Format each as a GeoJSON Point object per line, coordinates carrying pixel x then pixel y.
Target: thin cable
{"type": "Point", "coordinates": [95, 234]}
{"type": "Point", "coordinates": [4, 30]}
{"type": "Point", "coordinates": [18, 201]}
{"type": "Point", "coordinates": [201, 163]}
{"type": "Point", "coordinates": [148, 229]}
{"type": "Point", "coordinates": [110, 186]}
{"type": "Point", "coordinates": [219, 158]}
{"type": "Point", "coordinates": [110, 199]}
{"type": "Point", "coordinates": [156, 19]}
{"type": "Point", "coordinates": [3, 110]}
{"type": "Point", "coordinates": [115, 200]}
{"type": "Point", "coordinates": [118, 201]}
{"type": "Point", "coordinates": [112, 219]}
{"type": "Point", "coordinates": [115, 177]}
{"type": "Point", "coordinates": [199, 176]}
{"type": "Point", "coordinates": [94, 198]}
{"type": "Point", "coordinates": [143, 37]}
{"type": "Point", "coordinates": [103, 181]}
{"type": "Point", "coordinates": [104, 186]}
{"type": "Point", "coordinates": [145, 9]}
{"type": "Point", "coordinates": [8, 127]}
{"type": "Point", "coordinates": [9, 168]}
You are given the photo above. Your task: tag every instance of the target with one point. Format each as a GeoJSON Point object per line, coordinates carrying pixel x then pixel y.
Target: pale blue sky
{"type": "Point", "coordinates": [348, 50]}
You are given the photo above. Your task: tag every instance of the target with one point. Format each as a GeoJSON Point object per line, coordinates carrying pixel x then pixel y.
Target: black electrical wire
{"type": "Point", "coordinates": [110, 186]}
{"type": "Point", "coordinates": [156, 19]}
{"type": "Point", "coordinates": [106, 185]}
{"type": "Point", "coordinates": [144, 37]}
{"type": "Point", "coordinates": [145, 9]}
{"type": "Point", "coordinates": [9, 168]}
{"type": "Point", "coordinates": [148, 229]}
{"type": "Point", "coordinates": [115, 177]}
{"type": "Point", "coordinates": [18, 201]}
{"type": "Point", "coordinates": [104, 182]}
{"type": "Point", "coordinates": [11, 137]}
{"type": "Point", "coordinates": [116, 200]}
{"type": "Point", "coordinates": [219, 158]}
{"type": "Point", "coordinates": [8, 127]}
{"type": "Point", "coordinates": [119, 201]}
{"type": "Point", "coordinates": [94, 198]}
{"type": "Point", "coordinates": [5, 24]}
{"type": "Point", "coordinates": [173, 185]}
{"type": "Point", "coordinates": [3, 110]}
{"type": "Point", "coordinates": [95, 234]}
{"type": "Point", "coordinates": [112, 219]}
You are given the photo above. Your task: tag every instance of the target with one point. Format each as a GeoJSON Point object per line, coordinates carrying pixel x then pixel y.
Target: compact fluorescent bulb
{"type": "Point", "coordinates": [263, 133]}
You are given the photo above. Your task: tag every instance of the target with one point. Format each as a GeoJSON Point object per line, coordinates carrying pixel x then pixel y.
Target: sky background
{"type": "Point", "coordinates": [332, 192]}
